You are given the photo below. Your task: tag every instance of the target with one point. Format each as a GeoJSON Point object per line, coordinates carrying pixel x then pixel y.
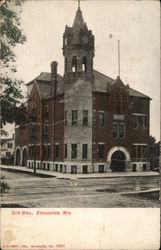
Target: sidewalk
{"type": "Point", "coordinates": [58, 175]}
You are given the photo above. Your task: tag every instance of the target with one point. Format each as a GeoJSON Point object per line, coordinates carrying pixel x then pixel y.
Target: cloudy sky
{"type": "Point", "coordinates": [134, 23]}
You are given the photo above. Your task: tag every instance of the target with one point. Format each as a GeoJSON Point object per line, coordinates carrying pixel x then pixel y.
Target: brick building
{"type": "Point", "coordinates": [83, 121]}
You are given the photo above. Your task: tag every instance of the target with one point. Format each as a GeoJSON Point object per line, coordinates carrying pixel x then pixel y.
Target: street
{"type": "Point", "coordinates": [30, 191]}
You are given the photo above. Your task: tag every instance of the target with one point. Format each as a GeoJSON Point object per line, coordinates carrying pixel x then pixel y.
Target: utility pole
{"type": "Point", "coordinates": [119, 58]}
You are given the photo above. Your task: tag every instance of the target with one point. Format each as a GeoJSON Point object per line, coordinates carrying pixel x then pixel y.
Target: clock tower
{"type": "Point", "coordinates": [78, 49]}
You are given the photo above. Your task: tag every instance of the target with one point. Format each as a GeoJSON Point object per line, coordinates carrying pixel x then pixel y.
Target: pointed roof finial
{"type": "Point", "coordinates": [78, 21]}
{"type": "Point", "coordinates": [78, 4]}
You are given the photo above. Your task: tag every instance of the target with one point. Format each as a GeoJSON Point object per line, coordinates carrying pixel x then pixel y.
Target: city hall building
{"type": "Point", "coordinates": [83, 121]}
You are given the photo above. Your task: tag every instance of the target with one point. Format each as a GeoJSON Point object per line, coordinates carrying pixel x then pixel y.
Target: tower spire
{"type": "Point", "coordinates": [78, 4]}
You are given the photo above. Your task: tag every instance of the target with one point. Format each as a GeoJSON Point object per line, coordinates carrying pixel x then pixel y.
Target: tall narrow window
{"type": "Point", "coordinates": [65, 64]}
{"type": "Point", "coordinates": [74, 117]}
{"type": "Point", "coordinates": [44, 150]}
{"type": "Point", "coordinates": [46, 128]}
{"type": "Point", "coordinates": [66, 121]}
{"type": "Point", "coordinates": [118, 130]}
{"type": "Point", "coordinates": [48, 151]}
{"type": "Point", "coordinates": [101, 151]}
{"type": "Point", "coordinates": [115, 134]}
{"type": "Point", "coordinates": [38, 150]}
{"type": "Point", "coordinates": [144, 151]}
{"type": "Point", "coordinates": [74, 64]}
{"type": "Point", "coordinates": [57, 150]}
{"type": "Point", "coordinates": [85, 117]}
{"type": "Point", "coordinates": [84, 151]}
{"type": "Point", "coordinates": [139, 151]}
{"type": "Point", "coordinates": [134, 151]}
{"type": "Point", "coordinates": [121, 131]}
{"type": "Point", "coordinates": [74, 151]}
{"type": "Point", "coordinates": [84, 64]}
{"type": "Point", "coordinates": [101, 119]}
{"type": "Point", "coordinates": [66, 151]}
{"type": "Point", "coordinates": [30, 151]}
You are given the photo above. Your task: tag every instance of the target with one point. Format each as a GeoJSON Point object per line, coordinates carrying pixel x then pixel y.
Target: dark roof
{"type": "Point", "coordinates": [44, 76]}
{"type": "Point", "coordinates": [133, 92]}
{"type": "Point", "coordinates": [101, 81]}
{"type": "Point", "coordinates": [44, 89]}
{"type": "Point", "coordinates": [101, 84]}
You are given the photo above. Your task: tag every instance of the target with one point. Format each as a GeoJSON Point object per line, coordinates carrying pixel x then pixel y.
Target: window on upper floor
{"type": "Point", "coordinates": [46, 128]}
{"type": "Point", "coordinates": [66, 64]}
{"type": "Point", "coordinates": [48, 151]}
{"type": "Point", "coordinates": [66, 41]}
{"type": "Point", "coordinates": [10, 145]}
{"type": "Point", "coordinates": [66, 119]}
{"type": "Point", "coordinates": [101, 119]}
{"type": "Point", "coordinates": [74, 151]}
{"type": "Point", "coordinates": [74, 117]}
{"type": "Point", "coordinates": [56, 150]}
{"type": "Point", "coordinates": [101, 151]}
{"type": "Point", "coordinates": [84, 151]}
{"type": "Point", "coordinates": [140, 121]}
{"type": "Point", "coordinates": [118, 130]}
{"type": "Point", "coordinates": [120, 101]}
{"type": "Point", "coordinates": [84, 63]}
{"type": "Point", "coordinates": [38, 150]}
{"type": "Point", "coordinates": [74, 64]}
{"type": "Point", "coordinates": [30, 151]}
{"type": "Point", "coordinates": [85, 117]}
{"type": "Point", "coordinates": [44, 150]}
{"type": "Point", "coordinates": [46, 111]}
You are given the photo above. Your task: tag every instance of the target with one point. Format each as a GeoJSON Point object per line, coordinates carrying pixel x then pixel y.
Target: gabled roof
{"type": "Point", "coordinates": [44, 76]}
{"type": "Point", "coordinates": [44, 89]}
{"type": "Point", "coordinates": [101, 84]}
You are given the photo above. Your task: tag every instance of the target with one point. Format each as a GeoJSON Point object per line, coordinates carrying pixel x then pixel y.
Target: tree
{"type": "Point", "coordinates": [11, 35]}
{"type": "Point", "coordinates": [153, 153]}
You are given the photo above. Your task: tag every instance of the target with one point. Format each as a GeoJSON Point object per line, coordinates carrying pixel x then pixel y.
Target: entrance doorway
{"type": "Point", "coordinates": [118, 161]}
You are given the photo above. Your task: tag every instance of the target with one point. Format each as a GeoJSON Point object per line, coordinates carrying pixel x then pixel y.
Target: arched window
{"type": "Point", "coordinates": [74, 64]}
{"type": "Point", "coordinates": [84, 64]}
{"type": "Point", "coordinates": [65, 64]}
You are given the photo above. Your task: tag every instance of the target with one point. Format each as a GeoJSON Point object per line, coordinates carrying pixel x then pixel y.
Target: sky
{"type": "Point", "coordinates": [135, 23]}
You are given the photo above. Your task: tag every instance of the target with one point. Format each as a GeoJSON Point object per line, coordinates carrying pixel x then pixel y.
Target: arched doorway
{"type": "Point", "coordinates": [118, 159]}
{"type": "Point", "coordinates": [18, 157]}
{"type": "Point", "coordinates": [24, 157]}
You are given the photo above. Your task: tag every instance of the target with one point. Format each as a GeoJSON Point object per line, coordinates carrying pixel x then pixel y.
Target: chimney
{"type": "Point", "coordinates": [54, 77]}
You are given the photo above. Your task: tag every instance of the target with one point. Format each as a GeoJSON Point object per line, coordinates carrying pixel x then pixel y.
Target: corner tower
{"type": "Point", "coordinates": [78, 49]}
